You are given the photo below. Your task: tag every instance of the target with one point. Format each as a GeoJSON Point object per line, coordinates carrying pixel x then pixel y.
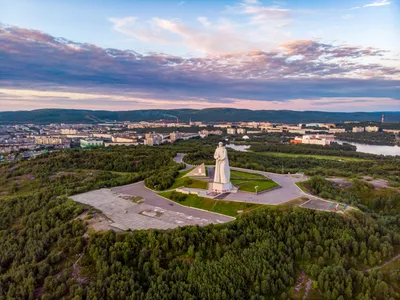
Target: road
{"type": "Point", "coordinates": [151, 198]}
{"type": "Point", "coordinates": [287, 192]}
{"type": "Point", "coordinates": [288, 189]}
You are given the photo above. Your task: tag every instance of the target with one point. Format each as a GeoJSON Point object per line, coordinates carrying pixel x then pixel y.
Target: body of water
{"type": "Point", "coordinates": [374, 149]}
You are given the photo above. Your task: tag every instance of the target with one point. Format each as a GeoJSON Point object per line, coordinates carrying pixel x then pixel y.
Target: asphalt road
{"type": "Point", "coordinates": [150, 197]}
{"type": "Point", "coordinates": [287, 192]}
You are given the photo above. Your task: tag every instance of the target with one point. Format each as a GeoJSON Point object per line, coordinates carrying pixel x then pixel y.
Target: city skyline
{"type": "Point", "coordinates": [250, 54]}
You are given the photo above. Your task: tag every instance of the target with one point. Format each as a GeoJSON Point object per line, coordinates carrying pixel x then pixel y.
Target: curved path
{"type": "Point", "coordinates": [288, 191]}
{"type": "Point", "coordinates": [151, 198]}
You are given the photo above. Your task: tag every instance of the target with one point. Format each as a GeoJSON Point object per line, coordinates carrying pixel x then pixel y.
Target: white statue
{"type": "Point", "coordinates": [222, 172]}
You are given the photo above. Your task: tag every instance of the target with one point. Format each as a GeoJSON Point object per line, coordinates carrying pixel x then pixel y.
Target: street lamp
{"type": "Point", "coordinates": [256, 187]}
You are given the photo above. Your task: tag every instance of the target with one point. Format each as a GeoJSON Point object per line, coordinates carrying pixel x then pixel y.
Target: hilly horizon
{"type": "Point", "coordinates": [184, 115]}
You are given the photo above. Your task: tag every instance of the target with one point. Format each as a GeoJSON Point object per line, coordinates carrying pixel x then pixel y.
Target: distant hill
{"type": "Point", "coordinates": [43, 116]}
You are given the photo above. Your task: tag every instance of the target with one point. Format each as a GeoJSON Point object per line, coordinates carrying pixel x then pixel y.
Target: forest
{"type": "Point", "coordinates": [47, 253]}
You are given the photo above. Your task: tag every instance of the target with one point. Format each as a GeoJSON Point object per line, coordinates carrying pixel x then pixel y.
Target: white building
{"type": "Point", "coordinates": [337, 130]}
{"type": "Point", "coordinates": [358, 129]}
{"type": "Point", "coordinates": [88, 143]}
{"type": "Point", "coordinates": [102, 135]}
{"type": "Point", "coordinates": [48, 140]}
{"type": "Point", "coordinates": [152, 139]}
{"type": "Point", "coordinates": [318, 139]}
{"type": "Point", "coordinates": [231, 130]}
{"type": "Point", "coordinates": [69, 131]}
{"type": "Point", "coordinates": [118, 139]}
{"type": "Point", "coordinates": [299, 131]}
{"type": "Point", "coordinates": [274, 129]}
{"type": "Point", "coordinates": [176, 135]}
{"type": "Point", "coordinates": [204, 133]}
{"type": "Point", "coordinates": [395, 131]}
{"type": "Point", "coordinates": [241, 131]}
{"type": "Point", "coordinates": [371, 128]}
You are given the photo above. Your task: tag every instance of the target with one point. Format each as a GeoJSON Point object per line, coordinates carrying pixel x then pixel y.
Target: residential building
{"type": "Point", "coordinates": [371, 128]}
{"type": "Point", "coordinates": [49, 140]}
{"type": "Point", "coordinates": [176, 135]}
{"type": "Point", "coordinates": [102, 135]}
{"type": "Point", "coordinates": [395, 131]}
{"type": "Point", "coordinates": [318, 139]}
{"type": "Point", "coordinates": [89, 143]}
{"type": "Point", "coordinates": [299, 131]}
{"type": "Point", "coordinates": [118, 139]}
{"type": "Point", "coordinates": [231, 130]}
{"type": "Point", "coordinates": [254, 131]}
{"type": "Point", "coordinates": [222, 125]}
{"type": "Point", "coordinates": [358, 129]}
{"type": "Point", "coordinates": [241, 131]}
{"type": "Point", "coordinates": [152, 139]}
{"type": "Point", "coordinates": [68, 131]}
{"type": "Point", "coordinates": [204, 133]}
{"type": "Point", "coordinates": [337, 130]}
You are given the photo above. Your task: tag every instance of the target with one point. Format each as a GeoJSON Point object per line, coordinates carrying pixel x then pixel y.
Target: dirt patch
{"type": "Point", "coordinates": [345, 182]}
{"type": "Point", "coordinates": [377, 183]}
{"type": "Point", "coordinates": [96, 221]}
{"type": "Point", "coordinates": [134, 199]}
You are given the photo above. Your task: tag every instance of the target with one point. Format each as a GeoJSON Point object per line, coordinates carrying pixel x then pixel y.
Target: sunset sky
{"type": "Point", "coordinates": [122, 55]}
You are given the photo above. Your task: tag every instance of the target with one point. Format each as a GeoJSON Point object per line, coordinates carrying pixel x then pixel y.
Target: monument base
{"type": "Point", "coordinates": [221, 187]}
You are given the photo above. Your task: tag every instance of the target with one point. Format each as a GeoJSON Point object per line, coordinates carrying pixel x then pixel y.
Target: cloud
{"type": "Point", "coordinates": [204, 21]}
{"type": "Point", "coordinates": [262, 25]}
{"type": "Point", "coordinates": [260, 14]}
{"type": "Point", "coordinates": [211, 38]}
{"type": "Point", "coordinates": [373, 4]}
{"type": "Point", "coordinates": [378, 3]}
{"type": "Point", "coordinates": [301, 69]}
{"type": "Point", "coordinates": [347, 16]}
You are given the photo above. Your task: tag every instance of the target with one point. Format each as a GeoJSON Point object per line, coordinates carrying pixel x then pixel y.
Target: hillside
{"type": "Point", "coordinates": [205, 115]}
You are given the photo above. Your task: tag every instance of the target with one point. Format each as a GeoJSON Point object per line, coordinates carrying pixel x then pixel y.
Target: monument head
{"type": "Point", "coordinates": [220, 144]}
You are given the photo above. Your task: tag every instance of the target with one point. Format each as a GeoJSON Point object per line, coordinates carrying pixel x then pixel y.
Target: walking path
{"type": "Point", "coordinates": [288, 191]}
{"type": "Point", "coordinates": [384, 264]}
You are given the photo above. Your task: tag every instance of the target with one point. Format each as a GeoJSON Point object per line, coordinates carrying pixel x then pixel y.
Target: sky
{"type": "Point", "coordinates": [123, 55]}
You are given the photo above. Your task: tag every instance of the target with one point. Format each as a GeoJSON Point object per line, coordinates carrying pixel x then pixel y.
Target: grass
{"type": "Point", "coordinates": [183, 173]}
{"type": "Point", "coordinates": [189, 183]}
{"type": "Point", "coordinates": [249, 185]}
{"type": "Point", "coordinates": [218, 206]}
{"type": "Point", "coordinates": [301, 186]}
{"type": "Point", "coordinates": [326, 157]}
{"type": "Point", "coordinates": [240, 174]}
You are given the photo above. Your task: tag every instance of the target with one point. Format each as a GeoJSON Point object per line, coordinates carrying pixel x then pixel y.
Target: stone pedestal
{"type": "Point", "coordinates": [221, 187]}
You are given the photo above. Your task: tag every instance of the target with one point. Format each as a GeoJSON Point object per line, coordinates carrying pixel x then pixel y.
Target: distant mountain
{"type": "Point", "coordinates": [43, 116]}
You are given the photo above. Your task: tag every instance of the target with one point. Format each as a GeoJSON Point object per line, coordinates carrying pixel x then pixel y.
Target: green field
{"type": "Point", "coordinates": [189, 183]}
{"type": "Point", "coordinates": [327, 157]}
{"type": "Point", "coordinates": [218, 206]}
{"type": "Point", "coordinates": [240, 174]}
{"type": "Point", "coordinates": [301, 186]}
{"type": "Point", "coordinates": [249, 185]}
